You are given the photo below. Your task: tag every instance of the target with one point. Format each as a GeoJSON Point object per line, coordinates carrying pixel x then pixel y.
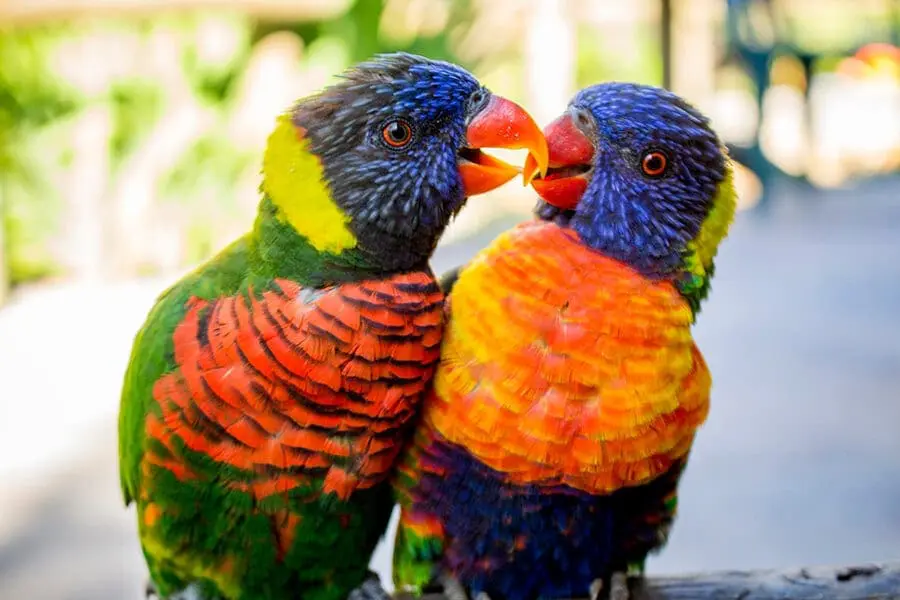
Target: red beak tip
{"type": "Point", "coordinates": [501, 124]}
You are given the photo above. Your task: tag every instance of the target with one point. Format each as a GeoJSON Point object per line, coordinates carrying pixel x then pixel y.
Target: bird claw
{"type": "Point", "coordinates": [191, 592]}
{"type": "Point", "coordinates": [618, 586]}
{"type": "Point", "coordinates": [454, 590]}
{"type": "Point", "coordinates": [595, 589]}
{"type": "Point", "coordinates": [150, 592]}
{"type": "Point", "coordinates": [370, 589]}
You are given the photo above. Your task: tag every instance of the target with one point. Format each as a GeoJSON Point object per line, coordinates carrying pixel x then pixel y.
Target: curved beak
{"type": "Point", "coordinates": [500, 124]}
{"type": "Point", "coordinates": [571, 159]}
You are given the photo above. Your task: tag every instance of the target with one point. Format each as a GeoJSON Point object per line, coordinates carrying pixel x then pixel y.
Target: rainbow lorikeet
{"type": "Point", "coordinates": [569, 391]}
{"type": "Point", "coordinates": [270, 391]}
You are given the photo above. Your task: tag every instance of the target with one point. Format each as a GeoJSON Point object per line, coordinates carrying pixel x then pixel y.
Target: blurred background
{"type": "Point", "coordinates": [131, 134]}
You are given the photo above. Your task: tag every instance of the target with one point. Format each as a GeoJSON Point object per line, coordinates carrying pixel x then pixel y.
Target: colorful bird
{"type": "Point", "coordinates": [270, 391]}
{"type": "Point", "coordinates": [547, 457]}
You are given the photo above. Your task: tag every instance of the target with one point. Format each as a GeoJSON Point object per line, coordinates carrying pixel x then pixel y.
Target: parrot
{"type": "Point", "coordinates": [547, 455]}
{"type": "Point", "coordinates": [270, 390]}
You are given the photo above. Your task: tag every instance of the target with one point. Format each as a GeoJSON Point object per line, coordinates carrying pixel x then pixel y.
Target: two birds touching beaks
{"type": "Point", "coordinates": [532, 413]}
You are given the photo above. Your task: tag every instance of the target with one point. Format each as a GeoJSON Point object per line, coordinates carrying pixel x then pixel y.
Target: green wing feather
{"type": "Point", "coordinates": [223, 275]}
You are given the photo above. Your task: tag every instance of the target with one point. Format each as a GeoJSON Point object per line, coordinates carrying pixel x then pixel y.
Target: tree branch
{"type": "Point", "coordinates": [863, 582]}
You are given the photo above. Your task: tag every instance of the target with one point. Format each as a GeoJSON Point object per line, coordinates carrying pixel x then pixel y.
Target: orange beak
{"type": "Point", "coordinates": [500, 124]}
{"type": "Point", "coordinates": [571, 159]}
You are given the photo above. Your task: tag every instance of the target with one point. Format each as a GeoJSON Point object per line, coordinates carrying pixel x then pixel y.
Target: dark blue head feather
{"type": "Point", "coordinates": [643, 221]}
{"type": "Point", "coordinates": [399, 200]}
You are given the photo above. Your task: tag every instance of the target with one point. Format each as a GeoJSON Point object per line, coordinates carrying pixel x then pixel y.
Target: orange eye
{"type": "Point", "coordinates": [397, 133]}
{"type": "Point", "coordinates": [654, 164]}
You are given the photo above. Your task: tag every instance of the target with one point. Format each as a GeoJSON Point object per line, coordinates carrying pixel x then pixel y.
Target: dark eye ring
{"type": "Point", "coordinates": [397, 133]}
{"type": "Point", "coordinates": [654, 164]}
{"type": "Point", "coordinates": [581, 115]}
{"type": "Point", "coordinates": [477, 99]}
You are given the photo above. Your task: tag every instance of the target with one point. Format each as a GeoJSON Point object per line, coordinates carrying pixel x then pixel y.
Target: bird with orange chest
{"type": "Point", "coordinates": [547, 459]}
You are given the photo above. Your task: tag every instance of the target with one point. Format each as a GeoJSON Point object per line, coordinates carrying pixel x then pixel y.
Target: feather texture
{"type": "Point", "coordinates": [291, 383]}
{"type": "Point", "coordinates": [593, 363]}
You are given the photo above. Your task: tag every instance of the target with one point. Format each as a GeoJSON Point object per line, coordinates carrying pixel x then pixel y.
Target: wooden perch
{"type": "Point", "coordinates": [865, 582]}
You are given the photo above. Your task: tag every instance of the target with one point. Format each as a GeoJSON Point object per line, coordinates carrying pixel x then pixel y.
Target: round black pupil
{"type": "Point", "coordinates": [654, 163]}
{"type": "Point", "coordinates": [397, 132]}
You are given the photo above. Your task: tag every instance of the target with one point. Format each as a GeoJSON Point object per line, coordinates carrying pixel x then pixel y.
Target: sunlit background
{"type": "Point", "coordinates": [130, 140]}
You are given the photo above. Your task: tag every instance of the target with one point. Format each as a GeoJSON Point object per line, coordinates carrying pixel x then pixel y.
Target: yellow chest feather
{"type": "Point", "coordinates": [562, 366]}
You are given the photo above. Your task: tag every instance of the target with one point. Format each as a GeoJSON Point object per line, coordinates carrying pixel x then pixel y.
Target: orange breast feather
{"type": "Point", "coordinates": [292, 386]}
{"type": "Point", "coordinates": [561, 366]}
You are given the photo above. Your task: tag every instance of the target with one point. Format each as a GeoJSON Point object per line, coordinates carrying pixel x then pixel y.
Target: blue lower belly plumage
{"type": "Point", "coordinates": [523, 542]}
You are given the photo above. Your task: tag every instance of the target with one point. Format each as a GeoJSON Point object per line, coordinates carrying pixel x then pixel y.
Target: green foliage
{"type": "Point", "coordinates": [214, 66]}
{"type": "Point", "coordinates": [827, 63]}
{"type": "Point", "coordinates": [136, 105]}
{"type": "Point", "coordinates": [596, 63]}
{"type": "Point", "coordinates": [359, 37]}
{"type": "Point", "coordinates": [360, 24]}
{"type": "Point", "coordinates": [438, 46]}
{"type": "Point", "coordinates": [203, 184]}
{"type": "Point", "coordinates": [28, 218]}
{"type": "Point", "coordinates": [838, 27]}
{"type": "Point", "coordinates": [30, 98]}
{"type": "Point", "coordinates": [211, 163]}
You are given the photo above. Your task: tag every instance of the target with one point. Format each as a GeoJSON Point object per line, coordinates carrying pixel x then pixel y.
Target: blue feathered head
{"type": "Point", "coordinates": [639, 174]}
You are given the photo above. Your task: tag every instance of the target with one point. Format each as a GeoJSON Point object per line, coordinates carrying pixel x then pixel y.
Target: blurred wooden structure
{"type": "Point", "coordinates": [32, 11]}
{"type": "Point", "coordinates": [868, 582]}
